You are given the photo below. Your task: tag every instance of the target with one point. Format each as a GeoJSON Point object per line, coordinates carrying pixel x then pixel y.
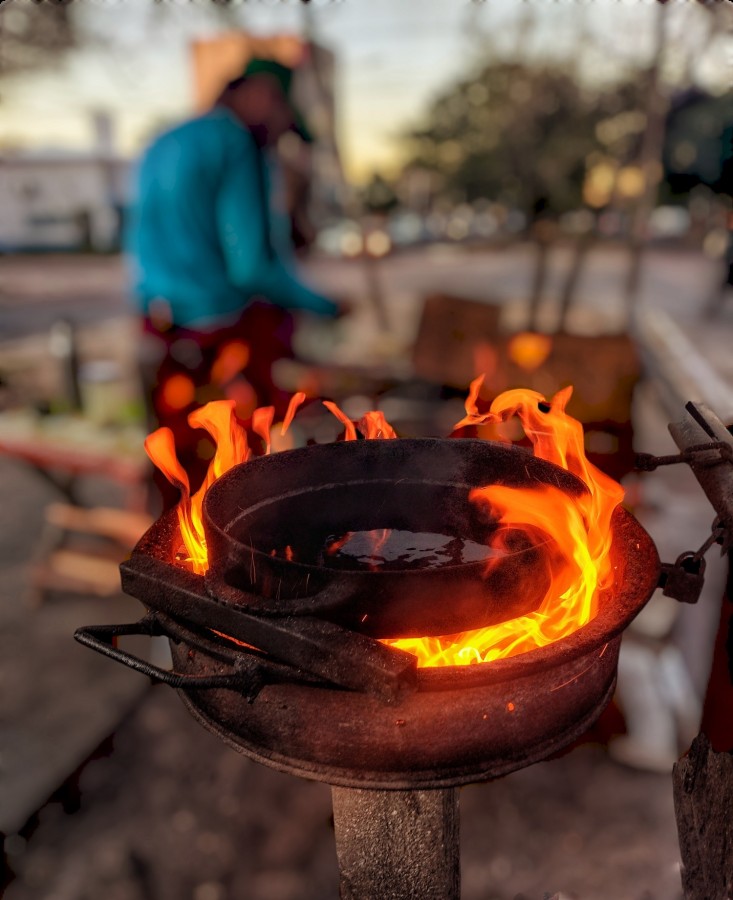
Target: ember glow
{"type": "Point", "coordinates": [575, 531]}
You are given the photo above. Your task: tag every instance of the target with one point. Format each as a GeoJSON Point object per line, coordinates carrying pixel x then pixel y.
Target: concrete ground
{"type": "Point", "coordinates": [165, 810]}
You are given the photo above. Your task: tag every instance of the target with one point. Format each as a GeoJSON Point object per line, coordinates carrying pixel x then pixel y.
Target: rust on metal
{"type": "Point", "coordinates": [397, 845]}
{"type": "Point", "coordinates": [313, 646]}
{"type": "Point", "coordinates": [460, 724]}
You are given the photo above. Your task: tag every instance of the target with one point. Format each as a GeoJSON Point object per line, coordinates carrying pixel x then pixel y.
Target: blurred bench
{"type": "Point", "coordinates": [460, 338]}
{"type": "Point", "coordinates": [63, 450]}
{"type": "Point", "coordinates": [91, 569]}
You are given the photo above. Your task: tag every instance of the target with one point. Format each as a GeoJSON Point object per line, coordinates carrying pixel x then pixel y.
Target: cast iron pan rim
{"type": "Point", "coordinates": [375, 576]}
{"type": "Point", "coordinates": [616, 610]}
{"type": "Point", "coordinates": [433, 679]}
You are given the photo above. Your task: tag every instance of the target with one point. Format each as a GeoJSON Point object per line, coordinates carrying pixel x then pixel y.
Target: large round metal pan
{"type": "Point", "coordinates": [463, 724]}
{"type": "Point", "coordinates": [292, 503]}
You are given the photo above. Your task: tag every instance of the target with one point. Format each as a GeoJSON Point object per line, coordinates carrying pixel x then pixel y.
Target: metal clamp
{"type": "Point", "coordinates": [647, 462]}
{"type": "Point", "coordinates": [246, 680]}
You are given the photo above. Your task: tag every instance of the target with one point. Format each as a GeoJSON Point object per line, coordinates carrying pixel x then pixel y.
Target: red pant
{"type": "Point", "coordinates": [182, 369]}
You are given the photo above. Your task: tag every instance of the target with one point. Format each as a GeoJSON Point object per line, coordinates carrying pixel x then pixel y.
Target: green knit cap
{"type": "Point", "coordinates": [284, 77]}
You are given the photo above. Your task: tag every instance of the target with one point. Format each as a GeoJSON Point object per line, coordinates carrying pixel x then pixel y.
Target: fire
{"type": "Point", "coordinates": [343, 418]}
{"type": "Point", "coordinates": [262, 425]}
{"type": "Point", "coordinates": [232, 448]}
{"type": "Point", "coordinates": [295, 401]}
{"type": "Point", "coordinates": [374, 426]}
{"type": "Point", "coordinates": [575, 531]}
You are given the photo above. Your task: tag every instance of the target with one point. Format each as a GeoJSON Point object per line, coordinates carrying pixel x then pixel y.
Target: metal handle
{"type": "Point", "coordinates": [101, 637]}
{"type": "Point", "coordinates": [330, 599]}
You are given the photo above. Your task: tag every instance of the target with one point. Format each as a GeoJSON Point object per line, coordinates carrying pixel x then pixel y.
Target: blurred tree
{"type": "Point", "coordinates": [699, 146]}
{"type": "Point", "coordinates": [378, 196]}
{"type": "Point", "coordinates": [34, 34]}
{"type": "Point", "coordinates": [525, 134]}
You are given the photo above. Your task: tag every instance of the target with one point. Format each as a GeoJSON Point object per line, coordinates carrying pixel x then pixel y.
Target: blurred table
{"type": "Point", "coordinates": [63, 449]}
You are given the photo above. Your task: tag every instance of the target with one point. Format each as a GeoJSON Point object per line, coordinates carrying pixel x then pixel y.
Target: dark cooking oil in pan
{"type": "Point", "coordinates": [392, 548]}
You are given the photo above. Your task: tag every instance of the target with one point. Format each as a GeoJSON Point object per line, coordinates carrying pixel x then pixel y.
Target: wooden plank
{"type": "Point", "coordinates": [124, 526]}
{"type": "Point", "coordinates": [70, 570]}
{"type": "Point", "coordinates": [453, 336]}
{"type": "Point", "coordinates": [703, 799]}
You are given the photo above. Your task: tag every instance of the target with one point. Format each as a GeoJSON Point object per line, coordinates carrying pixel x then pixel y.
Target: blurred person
{"type": "Point", "coordinates": [208, 240]}
{"type": "Point", "coordinates": [297, 180]}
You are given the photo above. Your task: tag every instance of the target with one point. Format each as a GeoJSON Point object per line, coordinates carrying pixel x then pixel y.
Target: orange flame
{"type": "Point", "coordinates": [262, 425]}
{"type": "Point", "coordinates": [374, 426]}
{"type": "Point", "coordinates": [161, 448]}
{"type": "Point", "coordinates": [576, 531]}
{"type": "Point", "coordinates": [232, 448]}
{"type": "Point", "coordinates": [343, 418]}
{"type": "Point", "coordinates": [473, 416]}
{"type": "Point", "coordinates": [295, 401]}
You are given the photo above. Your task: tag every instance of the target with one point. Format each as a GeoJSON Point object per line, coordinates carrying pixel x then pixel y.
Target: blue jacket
{"type": "Point", "coordinates": [197, 234]}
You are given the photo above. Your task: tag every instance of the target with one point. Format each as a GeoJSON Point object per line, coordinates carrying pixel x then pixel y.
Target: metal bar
{"type": "Point", "coordinates": [715, 475]}
{"type": "Point", "coordinates": [539, 276]}
{"type": "Point", "coordinates": [577, 268]}
{"type": "Point", "coordinates": [316, 646]}
{"type": "Point", "coordinates": [397, 845]}
{"type": "Point", "coordinates": [100, 638]}
{"type": "Point", "coordinates": [680, 370]}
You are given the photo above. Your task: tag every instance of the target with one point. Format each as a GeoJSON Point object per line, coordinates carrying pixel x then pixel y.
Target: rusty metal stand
{"type": "Point", "coordinates": [397, 845]}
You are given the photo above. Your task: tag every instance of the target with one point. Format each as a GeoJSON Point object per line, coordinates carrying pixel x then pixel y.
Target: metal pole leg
{"type": "Point", "coordinates": [397, 845]}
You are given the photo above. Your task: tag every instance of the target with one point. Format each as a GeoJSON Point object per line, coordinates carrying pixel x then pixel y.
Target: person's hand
{"type": "Point", "coordinates": [344, 307]}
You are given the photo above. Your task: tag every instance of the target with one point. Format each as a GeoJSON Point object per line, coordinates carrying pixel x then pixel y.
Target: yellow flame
{"type": "Point", "coordinates": [232, 447]}
{"type": "Point", "coordinates": [575, 530]}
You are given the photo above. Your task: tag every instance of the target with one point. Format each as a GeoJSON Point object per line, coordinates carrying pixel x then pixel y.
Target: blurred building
{"type": "Point", "coordinates": [66, 200]}
{"type": "Point", "coordinates": [63, 200]}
